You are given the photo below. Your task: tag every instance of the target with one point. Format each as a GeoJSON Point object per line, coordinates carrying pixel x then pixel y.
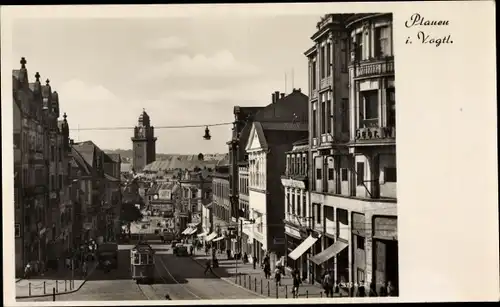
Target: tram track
{"type": "Point", "coordinates": [173, 278]}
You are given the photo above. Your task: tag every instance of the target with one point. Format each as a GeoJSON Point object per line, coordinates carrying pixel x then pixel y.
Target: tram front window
{"type": "Point", "coordinates": [144, 259]}
{"type": "Point", "coordinates": [136, 259]}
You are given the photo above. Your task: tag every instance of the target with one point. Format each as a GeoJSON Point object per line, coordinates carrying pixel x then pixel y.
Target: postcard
{"type": "Point", "coordinates": [246, 153]}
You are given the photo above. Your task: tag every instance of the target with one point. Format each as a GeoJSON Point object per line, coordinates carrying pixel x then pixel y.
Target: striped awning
{"type": "Point", "coordinates": [210, 237]}
{"type": "Point", "coordinates": [218, 239]}
{"type": "Point", "coordinates": [203, 234]}
{"type": "Point", "coordinates": [192, 231]}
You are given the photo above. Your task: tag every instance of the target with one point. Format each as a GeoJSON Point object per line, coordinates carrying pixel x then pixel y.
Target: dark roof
{"type": "Point", "coordinates": [292, 107]}
{"type": "Point", "coordinates": [114, 156]}
{"type": "Point", "coordinates": [111, 178]}
{"type": "Point", "coordinates": [301, 142]}
{"type": "Point", "coordinates": [79, 161]}
{"type": "Point", "coordinates": [86, 150]}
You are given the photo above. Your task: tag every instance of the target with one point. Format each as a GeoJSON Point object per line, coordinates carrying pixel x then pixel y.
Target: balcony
{"type": "Point", "coordinates": [374, 67]}
{"type": "Point", "coordinates": [379, 135]}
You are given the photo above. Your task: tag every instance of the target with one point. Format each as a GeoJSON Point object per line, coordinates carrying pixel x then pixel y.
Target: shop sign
{"type": "Point", "coordinates": [385, 227]}
{"type": "Point", "coordinates": [292, 231]}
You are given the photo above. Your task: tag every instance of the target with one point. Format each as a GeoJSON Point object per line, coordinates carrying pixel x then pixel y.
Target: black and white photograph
{"type": "Point", "coordinates": [215, 157]}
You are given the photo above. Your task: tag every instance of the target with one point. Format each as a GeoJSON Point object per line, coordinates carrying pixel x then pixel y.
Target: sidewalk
{"type": "Point", "coordinates": [245, 276]}
{"type": "Point", "coordinates": [59, 280]}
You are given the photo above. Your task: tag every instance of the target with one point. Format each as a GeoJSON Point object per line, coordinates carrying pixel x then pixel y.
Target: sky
{"type": "Point", "coordinates": [182, 71]}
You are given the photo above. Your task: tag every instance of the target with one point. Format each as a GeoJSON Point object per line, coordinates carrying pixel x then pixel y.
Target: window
{"type": "Point", "coordinates": [60, 181]}
{"type": "Point", "coordinates": [330, 173]}
{"type": "Point", "coordinates": [323, 61]}
{"type": "Point", "coordinates": [60, 154]}
{"type": "Point", "coordinates": [328, 59]}
{"type": "Point", "coordinates": [391, 107]}
{"type": "Point", "coordinates": [293, 165]}
{"type": "Point", "coordinates": [358, 47]}
{"type": "Point", "coordinates": [318, 213]}
{"type": "Point", "coordinates": [318, 173]}
{"type": "Point", "coordinates": [343, 172]}
{"type": "Point", "coordinates": [304, 205]}
{"type": "Point", "coordinates": [288, 202]}
{"type": "Point", "coordinates": [17, 230]}
{"type": "Point", "coordinates": [313, 74]}
{"type": "Point", "coordinates": [314, 122]}
{"type": "Point", "coordinates": [360, 242]}
{"type": "Point", "coordinates": [382, 42]}
{"type": "Point", "coordinates": [344, 109]}
{"type": "Point", "coordinates": [343, 55]}
{"type": "Point", "coordinates": [288, 164]}
{"type": "Point", "coordinates": [360, 173]}
{"type": "Point", "coordinates": [293, 203]}
{"type": "Point", "coordinates": [298, 169]}
{"type": "Point", "coordinates": [328, 115]}
{"type": "Point", "coordinates": [361, 275]}
{"type": "Point", "coordinates": [52, 154]}
{"type": "Point", "coordinates": [304, 165]}
{"type": "Point", "coordinates": [298, 204]}
{"type": "Point", "coordinates": [323, 112]}
{"type": "Point", "coordinates": [390, 174]}
{"type": "Point", "coordinates": [369, 109]}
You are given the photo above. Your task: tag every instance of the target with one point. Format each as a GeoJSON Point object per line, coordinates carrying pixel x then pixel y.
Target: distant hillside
{"type": "Point", "coordinates": [127, 154]}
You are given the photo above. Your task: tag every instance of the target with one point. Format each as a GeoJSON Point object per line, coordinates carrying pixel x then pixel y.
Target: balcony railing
{"type": "Point", "coordinates": [374, 68]}
{"type": "Point", "coordinates": [375, 133]}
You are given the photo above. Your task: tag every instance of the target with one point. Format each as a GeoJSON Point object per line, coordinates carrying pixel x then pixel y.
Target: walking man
{"type": "Point", "coordinates": [208, 267]}
{"type": "Point", "coordinates": [84, 269]}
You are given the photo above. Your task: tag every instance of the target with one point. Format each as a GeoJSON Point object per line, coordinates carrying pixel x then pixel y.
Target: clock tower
{"type": "Point", "coordinates": [143, 143]}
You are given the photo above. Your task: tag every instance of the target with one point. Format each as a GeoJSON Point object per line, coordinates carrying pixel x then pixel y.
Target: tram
{"type": "Point", "coordinates": [142, 263]}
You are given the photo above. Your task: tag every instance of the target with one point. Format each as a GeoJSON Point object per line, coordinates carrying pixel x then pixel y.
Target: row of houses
{"type": "Point", "coordinates": [312, 178]}
{"type": "Point", "coordinates": [65, 193]}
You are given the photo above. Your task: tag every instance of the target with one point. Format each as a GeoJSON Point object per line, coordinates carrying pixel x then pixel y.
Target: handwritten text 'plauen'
{"type": "Point", "coordinates": [425, 37]}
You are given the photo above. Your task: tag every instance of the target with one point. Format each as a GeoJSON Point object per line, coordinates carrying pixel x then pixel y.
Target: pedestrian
{"type": "Point", "coordinates": [167, 297]}
{"type": "Point", "coordinates": [208, 267]}
{"type": "Point", "coordinates": [245, 258]}
{"type": "Point", "coordinates": [255, 261]}
{"type": "Point", "coordinates": [383, 290]}
{"type": "Point", "coordinates": [328, 284]}
{"type": "Point", "coordinates": [361, 289]}
{"type": "Point", "coordinates": [391, 291]}
{"type": "Point", "coordinates": [228, 253]}
{"type": "Point", "coordinates": [267, 270]}
{"type": "Point", "coordinates": [277, 276]}
{"type": "Point", "coordinates": [206, 250]}
{"type": "Point", "coordinates": [373, 291]}
{"type": "Point", "coordinates": [27, 271]}
{"type": "Point", "coordinates": [296, 284]}
{"type": "Point", "coordinates": [191, 250]}
{"type": "Point", "coordinates": [84, 269]}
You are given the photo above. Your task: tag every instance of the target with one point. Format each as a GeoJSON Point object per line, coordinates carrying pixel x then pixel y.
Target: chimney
{"type": "Point", "coordinates": [282, 95]}
{"type": "Point", "coordinates": [277, 96]}
{"type": "Point", "coordinates": [273, 99]}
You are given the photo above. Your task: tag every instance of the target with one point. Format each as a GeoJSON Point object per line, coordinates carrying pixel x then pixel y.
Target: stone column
{"type": "Point", "coordinates": [368, 249]}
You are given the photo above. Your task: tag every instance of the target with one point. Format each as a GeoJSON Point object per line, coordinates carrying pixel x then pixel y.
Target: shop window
{"type": "Point", "coordinates": [17, 230]}
{"type": "Point", "coordinates": [360, 178]}
{"type": "Point", "coordinates": [360, 242]}
{"type": "Point", "coordinates": [330, 173]}
{"type": "Point", "coordinates": [136, 259]}
{"type": "Point", "coordinates": [343, 172]}
{"type": "Point", "coordinates": [390, 174]}
{"type": "Point", "coordinates": [318, 173]}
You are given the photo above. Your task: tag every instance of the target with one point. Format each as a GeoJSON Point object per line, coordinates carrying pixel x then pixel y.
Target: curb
{"type": "Point", "coordinates": [60, 293]}
{"type": "Point", "coordinates": [229, 281]}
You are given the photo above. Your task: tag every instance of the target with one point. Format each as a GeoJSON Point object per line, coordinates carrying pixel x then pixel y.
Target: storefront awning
{"type": "Point", "coordinates": [203, 234]}
{"type": "Point", "coordinates": [301, 249]}
{"type": "Point", "coordinates": [210, 237]}
{"type": "Point", "coordinates": [192, 231]}
{"type": "Point", "coordinates": [185, 232]}
{"type": "Point", "coordinates": [218, 239]}
{"type": "Point", "coordinates": [328, 253]}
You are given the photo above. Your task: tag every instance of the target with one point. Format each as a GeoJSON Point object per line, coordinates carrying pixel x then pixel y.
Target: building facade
{"type": "Point", "coordinates": [222, 224]}
{"type": "Point", "coordinates": [40, 169]}
{"type": "Point", "coordinates": [352, 148]}
{"type": "Point", "coordinates": [195, 193]}
{"type": "Point", "coordinates": [279, 125]}
{"type": "Point", "coordinates": [297, 214]}
{"type": "Point", "coordinates": [245, 222]}
{"type": "Point", "coordinates": [144, 143]}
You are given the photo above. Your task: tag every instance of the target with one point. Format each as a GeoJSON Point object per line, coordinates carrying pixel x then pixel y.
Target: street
{"type": "Point", "coordinates": [179, 277]}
